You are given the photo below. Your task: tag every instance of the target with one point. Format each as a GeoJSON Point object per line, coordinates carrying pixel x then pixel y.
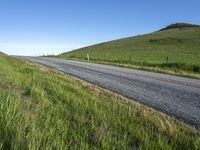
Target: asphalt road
{"type": "Point", "coordinates": [175, 96]}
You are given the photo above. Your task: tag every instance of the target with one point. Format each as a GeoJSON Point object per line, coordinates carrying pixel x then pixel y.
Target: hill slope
{"type": "Point", "coordinates": [1, 53]}
{"type": "Point", "coordinates": [174, 47]}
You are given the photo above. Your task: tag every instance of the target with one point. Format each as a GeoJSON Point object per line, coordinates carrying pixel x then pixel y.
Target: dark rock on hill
{"type": "Point", "coordinates": [179, 26]}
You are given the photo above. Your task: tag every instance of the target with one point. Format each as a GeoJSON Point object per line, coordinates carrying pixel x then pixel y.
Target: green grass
{"type": "Point", "coordinates": [43, 109]}
{"type": "Point", "coordinates": [172, 50]}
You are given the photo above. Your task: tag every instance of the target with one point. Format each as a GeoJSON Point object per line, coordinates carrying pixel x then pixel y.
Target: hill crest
{"type": "Point", "coordinates": [1, 53]}
{"type": "Point", "coordinates": [179, 26]}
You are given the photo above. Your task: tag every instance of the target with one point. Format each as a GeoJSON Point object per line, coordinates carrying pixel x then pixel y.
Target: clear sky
{"type": "Point", "coordinates": [33, 27]}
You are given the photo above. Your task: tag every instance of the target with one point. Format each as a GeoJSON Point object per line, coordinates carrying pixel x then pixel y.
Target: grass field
{"type": "Point", "coordinates": [174, 50]}
{"type": "Point", "coordinates": [43, 109]}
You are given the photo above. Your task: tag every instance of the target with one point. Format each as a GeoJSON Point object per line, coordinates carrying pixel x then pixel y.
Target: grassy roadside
{"type": "Point", "coordinates": [43, 109]}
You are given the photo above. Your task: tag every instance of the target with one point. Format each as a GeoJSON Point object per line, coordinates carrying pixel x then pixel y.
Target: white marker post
{"type": "Point", "coordinates": [88, 57]}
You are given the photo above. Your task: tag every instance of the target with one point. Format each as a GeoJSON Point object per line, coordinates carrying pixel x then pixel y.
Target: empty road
{"type": "Point", "coordinates": [175, 96]}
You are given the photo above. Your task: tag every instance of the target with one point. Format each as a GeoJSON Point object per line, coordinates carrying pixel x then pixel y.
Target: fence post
{"type": "Point", "coordinates": [106, 56]}
{"type": "Point", "coordinates": [167, 59]}
{"type": "Point", "coordinates": [130, 57]}
{"type": "Point", "coordinates": [88, 57]}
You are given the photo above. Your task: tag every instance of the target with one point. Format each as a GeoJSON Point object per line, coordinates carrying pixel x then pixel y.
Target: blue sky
{"type": "Point", "coordinates": [33, 27]}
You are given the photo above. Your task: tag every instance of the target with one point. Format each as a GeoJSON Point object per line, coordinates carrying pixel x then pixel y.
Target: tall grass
{"type": "Point", "coordinates": [43, 109]}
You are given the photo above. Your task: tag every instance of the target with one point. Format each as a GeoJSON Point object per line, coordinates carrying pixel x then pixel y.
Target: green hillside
{"type": "Point", "coordinates": [1, 53]}
{"type": "Point", "coordinates": [175, 48]}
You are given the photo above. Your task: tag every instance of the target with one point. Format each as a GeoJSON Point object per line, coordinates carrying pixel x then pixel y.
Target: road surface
{"type": "Point", "coordinates": [175, 96]}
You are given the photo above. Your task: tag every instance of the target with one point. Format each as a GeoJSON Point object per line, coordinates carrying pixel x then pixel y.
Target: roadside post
{"type": "Point", "coordinates": [88, 57]}
{"type": "Point", "coordinates": [167, 59]}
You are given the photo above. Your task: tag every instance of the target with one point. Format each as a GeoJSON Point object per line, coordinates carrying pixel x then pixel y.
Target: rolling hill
{"type": "Point", "coordinates": [173, 49]}
{"type": "Point", "coordinates": [1, 53]}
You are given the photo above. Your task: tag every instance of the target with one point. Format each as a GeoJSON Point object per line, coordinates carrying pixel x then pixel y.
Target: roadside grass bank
{"type": "Point", "coordinates": [43, 109]}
